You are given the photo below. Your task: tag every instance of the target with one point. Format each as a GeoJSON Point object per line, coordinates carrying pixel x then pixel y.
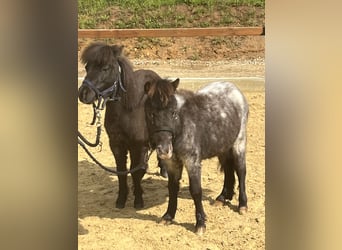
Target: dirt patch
{"type": "Point", "coordinates": [102, 226]}
{"type": "Point", "coordinates": [195, 49]}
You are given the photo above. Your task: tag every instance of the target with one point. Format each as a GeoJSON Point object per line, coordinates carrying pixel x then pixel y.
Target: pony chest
{"type": "Point", "coordinates": [128, 122]}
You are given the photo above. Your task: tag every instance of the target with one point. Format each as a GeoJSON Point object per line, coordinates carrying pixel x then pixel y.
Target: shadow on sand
{"type": "Point", "coordinates": [97, 192]}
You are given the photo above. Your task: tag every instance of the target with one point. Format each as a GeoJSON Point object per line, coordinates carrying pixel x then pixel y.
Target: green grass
{"type": "Point", "coordinates": [91, 13]}
{"type": "Point", "coordinates": [163, 13]}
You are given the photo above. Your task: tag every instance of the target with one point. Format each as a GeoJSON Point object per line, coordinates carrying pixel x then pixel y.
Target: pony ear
{"type": "Point", "coordinates": [148, 88]}
{"type": "Point", "coordinates": [175, 83]}
{"type": "Point", "coordinates": [117, 50]}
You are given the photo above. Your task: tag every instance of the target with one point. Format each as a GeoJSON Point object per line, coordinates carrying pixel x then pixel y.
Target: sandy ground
{"type": "Point", "coordinates": [102, 226]}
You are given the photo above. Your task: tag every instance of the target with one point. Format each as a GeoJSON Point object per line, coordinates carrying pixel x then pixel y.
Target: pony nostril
{"type": "Point", "coordinates": [84, 96]}
{"type": "Point", "coordinates": [160, 149]}
{"type": "Point", "coordinates": [164, 152]}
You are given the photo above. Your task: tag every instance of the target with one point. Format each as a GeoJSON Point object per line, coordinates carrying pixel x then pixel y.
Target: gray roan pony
{"type": "Point", "coordinates": [186, 127]}
{"type": "Point", "coordinates": [110, 78]}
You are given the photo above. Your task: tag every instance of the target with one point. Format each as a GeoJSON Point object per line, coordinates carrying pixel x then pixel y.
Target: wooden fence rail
{"type": "Point", "coordinates": [172, 32]}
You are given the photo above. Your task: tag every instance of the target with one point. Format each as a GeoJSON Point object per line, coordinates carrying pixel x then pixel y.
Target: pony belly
{"type": "Point", "coordinates": [213, 144]}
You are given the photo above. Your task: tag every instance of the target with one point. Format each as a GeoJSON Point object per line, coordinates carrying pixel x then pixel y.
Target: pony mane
{"type": "Point", "coordinates": [131, 98]}
{"type": "Point", "coordinates": [160, 91]}
{"type": "Point", "coordinates": [97, 53]}
{"type": "Point", "coordinates": [100, 53]}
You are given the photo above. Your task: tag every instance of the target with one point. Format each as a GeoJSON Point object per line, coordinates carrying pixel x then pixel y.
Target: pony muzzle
{"type": "Point", "coordinates": [86, 95]}
{"type": "Point", "coordinates": [164, 152]}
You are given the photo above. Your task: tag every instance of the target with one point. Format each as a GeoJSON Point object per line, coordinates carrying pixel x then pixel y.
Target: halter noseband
{"type": "Point", "coordinates": [170, 129]}
{"type": "Point", "coordinates": [164, 129]}
{"type": "Point", "coordinates": [108, 94]}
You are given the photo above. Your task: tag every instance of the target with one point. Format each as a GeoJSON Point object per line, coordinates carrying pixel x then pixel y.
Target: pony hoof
{"type": "Point", "coordinates": [138, 202]}
{"type": "Point", "coordinates": [121, 201]}
{"type": "Point", "coordinates": [200, 230]}
{"type": "Point", "coordinates": [139, 206]}
{"type": "Point", "coordinates": [218, 203]}
{"type": "Point", "coordinates": [165, 222]}
{"type": "Point", "coordinates": [120, 205]}
{"type": "Point", "coordinates": [243, 210]}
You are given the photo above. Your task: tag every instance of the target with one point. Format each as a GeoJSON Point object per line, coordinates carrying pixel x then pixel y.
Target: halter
{"type": "Point", "coordinates": [164, 129]}
{"type": "Point", "coordinates": [108, 94]}
{"type": "Point", "coordinates": [170, 129]}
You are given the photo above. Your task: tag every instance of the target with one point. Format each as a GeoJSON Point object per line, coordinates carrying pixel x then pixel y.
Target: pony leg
{"type": "Point", "coordinates": [227, 165]}
{"type": "Point", "coordinates": [120, 154]}
{"type": "Point", "coordinates": [174, 170]}
{"type": "Point", "coordinates": [138, 159]}
{"type": "Point", "coordinates": [163, 170]}
{"type": "Point", "coordinates": [194, 173]}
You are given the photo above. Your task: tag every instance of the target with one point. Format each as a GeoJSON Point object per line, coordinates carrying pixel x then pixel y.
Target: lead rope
{"type": "Point", "coordinates": [113, 170]}
{"type": "Point", "coordinates": [97, 115]}
{"type": "Point", "coordinates": [82, 141]}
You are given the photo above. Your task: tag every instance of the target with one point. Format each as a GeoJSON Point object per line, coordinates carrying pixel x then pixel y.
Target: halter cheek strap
{"type": "Point", "coordinates": [170, 129]}
{"type": "Point", "coordinates": [120, 82]}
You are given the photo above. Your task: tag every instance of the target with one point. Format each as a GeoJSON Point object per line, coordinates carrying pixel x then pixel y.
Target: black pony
{"type": "Point", "coordinates": [186, 127]}
{"type": "Point", "coordinates": [111, 79]}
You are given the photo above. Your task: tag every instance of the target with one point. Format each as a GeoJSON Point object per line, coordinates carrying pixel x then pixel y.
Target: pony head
{"type": "Point", "coordinates": [161, 115]}
{"type": "Point", "coordinates": [103, 71]}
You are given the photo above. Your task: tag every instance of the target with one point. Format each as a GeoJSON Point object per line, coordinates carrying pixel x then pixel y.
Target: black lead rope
{"type": "Point", "coordinates": [98, 130]}
{"type": "Point", "coordinates": [82, 141]}
{"type": "Point", "coordinates": [97, 140]}
{"type": "Point", "coordinates": [112, 170]}
{"type": "Point", "coordinates": [94, 114]}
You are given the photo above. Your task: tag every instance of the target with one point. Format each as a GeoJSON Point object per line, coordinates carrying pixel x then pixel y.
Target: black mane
{"type": "Point", "coordinates": [99, 53]}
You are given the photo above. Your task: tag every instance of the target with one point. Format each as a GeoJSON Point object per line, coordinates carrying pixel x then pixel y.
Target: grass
{"type": "Point", "coordinates": [164, 13]}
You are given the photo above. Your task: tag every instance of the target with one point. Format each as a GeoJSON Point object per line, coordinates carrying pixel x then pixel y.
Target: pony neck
{"type": "Point", "coordinates": [129, 92]}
